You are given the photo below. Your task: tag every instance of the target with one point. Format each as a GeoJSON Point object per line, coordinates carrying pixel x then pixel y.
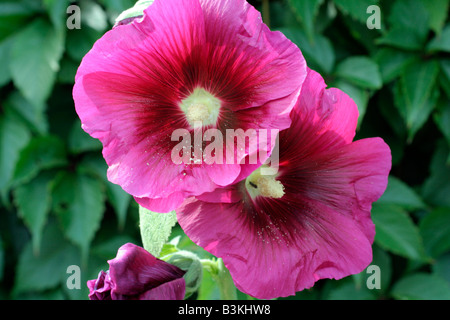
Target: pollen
{"type": "Point", "coordinates": [197, 112]}
{"type": "Point", "coordinates": [269, 187]}
{"type": "Point", "coordinates": [201, 107]}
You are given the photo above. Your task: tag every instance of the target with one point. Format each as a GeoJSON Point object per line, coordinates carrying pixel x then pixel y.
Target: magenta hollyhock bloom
{"type": "Point", "coordinates": [135, 274]}
{"type": "Point", "coordinates": [184, 62]}
{"type": "Point", "coordinates": [280, 233]}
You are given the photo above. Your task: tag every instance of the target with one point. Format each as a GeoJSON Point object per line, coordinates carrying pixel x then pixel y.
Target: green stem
{"type": "Point", "coordinates": [222, 277]}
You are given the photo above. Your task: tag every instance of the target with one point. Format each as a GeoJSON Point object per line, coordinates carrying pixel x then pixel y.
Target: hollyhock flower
{"type": "Point", "coordinates": [280, 233]}
{"type": "Point", "coordinates": [135, 274]}
{"type": "Point", "coordinates": [184, 62]}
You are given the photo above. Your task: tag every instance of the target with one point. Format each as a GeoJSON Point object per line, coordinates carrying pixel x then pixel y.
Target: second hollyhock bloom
{"type": "Point", "coordinates": [135, 274]}
{"type": "Point", "coordinates": [280, 233]}
{"type": "Point", "coordinates": [184, 62]}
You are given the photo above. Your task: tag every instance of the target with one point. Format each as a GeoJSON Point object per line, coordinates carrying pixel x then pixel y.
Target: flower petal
{"type": "Point", "coordinates": [128, 89]}
{"type": "Point", "coordinates": [327, 245]}
{"type": "Point", "coordinates": [134, 271]}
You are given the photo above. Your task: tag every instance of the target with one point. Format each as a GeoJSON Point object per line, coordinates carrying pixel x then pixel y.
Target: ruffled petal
{"type": "Point", "coordinates": [134, 271]}
{"type": "Point", "coordinates": [129, 87]}
{"type": "Point", "coordinates": [321, 226]}
{"type": "Point", "coordinates": [324, 245]}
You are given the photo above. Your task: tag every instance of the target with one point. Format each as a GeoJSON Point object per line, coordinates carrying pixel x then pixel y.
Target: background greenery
{"type": "Point", "coordinates": [58, 209]}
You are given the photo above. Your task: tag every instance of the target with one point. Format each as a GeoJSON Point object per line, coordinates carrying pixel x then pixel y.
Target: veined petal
{"type": "Point", "coordinates": [320, 226]}
{"type": "Point", "coordinates": [129, 88]}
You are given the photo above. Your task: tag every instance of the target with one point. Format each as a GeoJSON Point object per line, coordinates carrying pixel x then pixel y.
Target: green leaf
{"type": "Point", "coordinates": [80, 41]}
{"type": "Point", "coordinates": [94, 164]}
{"type": "Point", "coordinates": [441, 267]}
{"type": "Point", "coordinates": [14, 135]}
{"type": "Point", "coordinates": [444, 76]}
{"type": "Point", "coordinates": [33, 114]}
{"type": "Point", "coordinates": [33, 201]}
{"type": "Point", "coordinates": [80, 141]}
{"type": "Point", "coordinates": [35, 57]}
{"type": "Point", "coordinates": [437, 11]}
{"type": "Point", "coordinates": [306, 12]}
{"type": "Point", "coordinates": [5, 75]}
{"type": "Point", "coordinates": [401, 38]}
{"type": "Point", "coordinates": [436, 187]}
{"type": "Point", "coordinates": [421, 286]}
{"type": "Point", "coordinates": [319, 52]}
{"type": "Point", "coordinates": [120, 200]}
{"type": "Point", "coordinates": [42, 152]}
{"type": "Point", "coordinates": [56, 10]}
{"type": "Point", "coordinates": [393, 62]}
{"type": "Point", "coordinates": [412, 16]}
{"type": "Point", "coordinates": [442, 118]}
{"type": "Point", "coordinates": [361, 71]}
{"type": "Point", "coordinates": [416, 94]}
{"type": "Point", "coordinates": [396, 232]}
{"type": "Point", "coordinates": [357, 9]}
{"type": "Point", "coordinates": [48, 269]}
{"type": "Point", "coordinates": [155, 229]}
{"type": "Point", "coordinates": [348, 290]}
{"type": "Point", "coordinates": [435, 230]}
{"type": "Point", "coordinates": [13, 15]}
{"type": "Point", "coordinates": [93, 15]}
{"type": "Point", "coordinates": [383, 260]}
{"type": "Point", "coordinates": [441, 42]}
{"type": "Point", "coordinates": [79, 204]}
{"type": "Point", "coordinates": [399, 193]}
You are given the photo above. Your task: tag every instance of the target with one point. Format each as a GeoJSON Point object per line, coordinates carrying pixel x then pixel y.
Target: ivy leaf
{"type": "Point", "coordinates": [412, 16]}
{"type": "Point", "coordinates": [436, 187]}
{"type": "Point", "coordinates": [396, 232]}
{"type": "Point", "coordinates": [79, 205]}
{"type": "Point", "coordinates": [155, 229]}
{"type": "Point", "coordinates": [35, 57]}
{"type": "Point", "coordinates": [357, 9]}
{"type": "Point", "coordinates": [437, 11]}
{"type": "Point", "coordinates": [33, 201]}
{"type": "Point", "coordinates": [48, 269]}
{"type": "Point", "coordinates": [56, 10]}
{"type": "Point", "coordinates": [421, 286]}
{"type": "Point", "coordinates": [416, 94]}
{"type": "Point", "coordinates": [441, 42]}
{"type": "Point", "coordinates": [361, 71]}
{"type": "Point", "coordinates": [393, 62]}
{"type": "Point", "coordinates": [319, 52]}
{"type": "Point", "coordinates": [42, 152]}
{"type": "Point", "coordinates": [306, 12]}
{"type": "Point", "coordinates": [14, 135]}
{"type": "Point", "coordinates": [399, 193]}
{"type": "Point", "coordinates": [13, 15]}
{"type": "Point", "coordinates": [33, 113]}
{"type": "Point", "coordinates": [435, 229]}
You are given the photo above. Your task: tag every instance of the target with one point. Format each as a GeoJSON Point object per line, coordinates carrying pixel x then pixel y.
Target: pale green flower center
{"type": "Point", "coordinates": [258, 184]}
{"type": "Point", "coordinates": [201, 106]}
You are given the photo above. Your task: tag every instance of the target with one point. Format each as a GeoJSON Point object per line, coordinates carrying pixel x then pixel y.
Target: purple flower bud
{"type": "Point", "coordinates": [135, 274]}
